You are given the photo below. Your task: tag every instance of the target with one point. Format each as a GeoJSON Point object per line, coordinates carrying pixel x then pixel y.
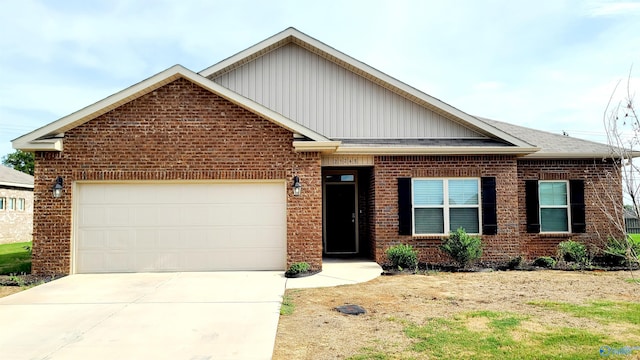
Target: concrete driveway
{"type": "Point", "coordinates": [194, 316]}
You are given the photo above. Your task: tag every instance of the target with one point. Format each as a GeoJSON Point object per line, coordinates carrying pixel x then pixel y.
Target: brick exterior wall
{"type": "Point", "coordinates": [388, 169]}
{"type": "Point", "coordinates": [596, 183]}
{"type": "Point", "coordinates": [16, 225]}
{"type": "Point", "coordinates": [177, 132]}
{"type": "Point", "coordinates": [512, 239]}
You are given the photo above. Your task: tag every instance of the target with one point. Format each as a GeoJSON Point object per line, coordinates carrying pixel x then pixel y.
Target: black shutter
{"type": "Point", "coordinates": [489, 208]}
{"type": "Point", "coordinates": [576, 197]}
{"type": "Point", "coordinates": [533, 206]}
{"type": "Point", "coordinates": [404, 206]}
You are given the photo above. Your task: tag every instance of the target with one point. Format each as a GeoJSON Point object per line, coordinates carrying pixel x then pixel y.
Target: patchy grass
{"type": "Point", "coordinates": [603, 311]}
{"type": "Point", "coordinates": [15, 258]}
{"type": "Point", "coordinates": [633, 281]}
{"type": "Point", "coordinates": [287, 306]}
{"type": "Point", "coordinates": [503, 335]}
{"type": "Point", "coordinates": [498, 315]}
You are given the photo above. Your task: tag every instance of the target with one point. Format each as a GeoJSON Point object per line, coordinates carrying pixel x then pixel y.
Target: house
{"type": "Point", "coordinates": [631, 221]}
{"type": "Point", "coordinates": [16, 205]}
{"type": "Point", "coordinates": [290, 151]}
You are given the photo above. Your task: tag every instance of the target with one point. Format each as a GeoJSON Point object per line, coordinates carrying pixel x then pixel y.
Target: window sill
{"type": "Point", "coordinates": [437, 236]}
{"type": "Point", "coordinates": [429, 237]}
{"type": "Point", "coordinates": [556, 235]}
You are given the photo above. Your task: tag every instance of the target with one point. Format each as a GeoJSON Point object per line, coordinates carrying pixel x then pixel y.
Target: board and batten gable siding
{"type": "Point", "coordinates": [334, 101]}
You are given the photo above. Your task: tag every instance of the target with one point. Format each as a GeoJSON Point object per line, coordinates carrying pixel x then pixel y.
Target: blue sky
{"type": "Point", "coordinates": [546, 64]}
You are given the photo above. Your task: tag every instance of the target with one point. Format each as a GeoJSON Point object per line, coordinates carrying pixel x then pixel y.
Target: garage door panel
{"type": "Point", "coordinates": [145, 215]}
{"type": "Point", "coordinates": [117, 216]}
{"type": "Point", "coordinates": [180, 227]}
{"type": "Point", "coordinates": [99, 261]}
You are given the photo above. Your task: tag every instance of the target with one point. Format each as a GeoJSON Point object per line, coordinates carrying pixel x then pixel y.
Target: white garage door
{"type": "Point", "coordinates": [147, 227]}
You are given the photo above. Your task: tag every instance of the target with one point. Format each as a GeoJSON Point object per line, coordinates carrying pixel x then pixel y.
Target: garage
{"type": "Point", "coordinates": [158, 226]}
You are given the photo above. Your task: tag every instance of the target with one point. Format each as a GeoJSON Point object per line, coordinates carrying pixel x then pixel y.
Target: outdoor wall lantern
{"type": "Point", "coordinates": [297, 187]}
{"type": "Point", "coordinates": [57, 188]}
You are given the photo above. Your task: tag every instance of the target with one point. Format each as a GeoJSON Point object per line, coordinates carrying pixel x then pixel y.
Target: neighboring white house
{"type": "Point", "coordinates": [16, 206]}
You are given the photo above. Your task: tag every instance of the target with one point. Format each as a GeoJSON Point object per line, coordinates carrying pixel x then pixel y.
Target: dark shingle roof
{"type": "Point", "coordinates": [553, 145]}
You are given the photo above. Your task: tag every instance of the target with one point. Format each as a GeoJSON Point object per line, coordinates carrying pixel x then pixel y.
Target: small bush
{"type": "Point", "coordinates": [545, 262]}
{"type": "Point", "coordinates": [621, 252]}
{"type": "Point", "coordinates": [298, 268]}
{"type": "Point", "coordinates": [514, 263]}
{"type": "Point", "coordinates": [403, 256]}
{"type": "Point", "coordinates": [462, 248]}
{"type": "Point", "coordinates": [573, 251]}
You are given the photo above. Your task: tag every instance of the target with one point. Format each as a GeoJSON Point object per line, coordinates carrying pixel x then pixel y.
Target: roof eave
{"type": "Point", "coordinates": [569, 156]}
{"type": "Point", "coordinates": [38, 145]}
{"type": "Point", "coordinates": [18, 185]}
{"type": "Point", "coordinates": [316, 146]}
{"type": "Point", "coordinates": [435, 150]}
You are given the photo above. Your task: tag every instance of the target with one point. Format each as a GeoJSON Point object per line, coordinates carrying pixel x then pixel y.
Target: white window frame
{"type": "Point", "coordinates": [567, 206]}
{"type": "Point", "coordinates": [12, 204]}
{"type": "Point", "coordinates": [446, 206]}
{"type": "Point", "coordinates": [21, 204]}
{"type": "Point", "coordinates": [3, 203]}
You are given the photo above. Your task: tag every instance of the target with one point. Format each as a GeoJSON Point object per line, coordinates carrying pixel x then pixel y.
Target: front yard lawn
{"type": "Point", "coordinates": [15, 258]}
{"type": "Point", "coordinates": [495, 315]}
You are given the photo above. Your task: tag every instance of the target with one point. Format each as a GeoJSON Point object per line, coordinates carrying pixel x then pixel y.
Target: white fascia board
{"type": "Point", "coordinates": [2, 183]}
{"type": "Point", "coordinates": [373, 74]}
{"type": "Point", "coordinates": [436, 150]}
{"type": "Point", "coordinates": [316, 146]}
{"type": "Point", "coordinates": [568, 156]}
{"type": "Point", "coordinates": [38, 145]}
{"type": "Point", "coordinates": [40, 139]}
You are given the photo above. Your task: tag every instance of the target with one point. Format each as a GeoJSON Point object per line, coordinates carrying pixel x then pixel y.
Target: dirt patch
{"type": "Point", "coordinates": [9, 290]}
{"type": "Point", "coordinates": [316, 331]}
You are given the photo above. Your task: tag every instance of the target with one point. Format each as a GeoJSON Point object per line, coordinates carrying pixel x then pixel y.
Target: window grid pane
{"type": "Point", "coordinates": [554, 220]}
{"type": "Point", "coordinates": [429, 221]}
{"type": "Point", "coordinates": [428, 192]}
{"type": "Point", "coordinates": [463, 192]}
{"type": "Point", "coordinates": [553, 193]}
{"type": "Point", "coordinates": [466, 218]}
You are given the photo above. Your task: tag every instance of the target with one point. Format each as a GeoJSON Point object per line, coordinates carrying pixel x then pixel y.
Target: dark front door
{"type": "Point", "coordinates": [341, 219]}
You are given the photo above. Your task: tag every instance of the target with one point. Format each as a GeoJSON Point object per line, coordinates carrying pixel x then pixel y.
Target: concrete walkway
{"type": "Point", "coordinates": [338, 272]}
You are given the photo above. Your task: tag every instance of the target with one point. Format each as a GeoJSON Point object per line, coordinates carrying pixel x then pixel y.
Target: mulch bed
{"type": "Point", "coordinates": [26, 280]}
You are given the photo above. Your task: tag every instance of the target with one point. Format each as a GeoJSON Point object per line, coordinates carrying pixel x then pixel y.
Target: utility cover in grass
{"type": "Point", "coordinates": [351, 309]}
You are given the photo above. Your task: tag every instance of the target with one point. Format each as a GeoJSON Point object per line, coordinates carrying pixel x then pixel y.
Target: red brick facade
{"type": "Point", "coordinates": [593, 174]}
{"type": "Point", "coordinates": [512, 238]}
{"type": "Point", "coordinates": [178, 132]}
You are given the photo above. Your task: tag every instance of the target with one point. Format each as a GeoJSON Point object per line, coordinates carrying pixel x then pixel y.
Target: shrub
{"type": "Point", "coordinates": [462, 248]}
{"type": "Point", "coordinates": [403, 256]}
{"type": "Point", "coordinates": [514, 263]}
{"type": "Point", "coordinates": [573, 251]}
{"type": "Point", "coordinates": [297, 268]}
{"type": "Point", "coordinates": [545, 262]}
{"type": "Point", "coordinates": [620, 252]}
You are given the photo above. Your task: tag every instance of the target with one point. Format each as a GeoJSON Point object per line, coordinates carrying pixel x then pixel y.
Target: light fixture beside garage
{"type": "Point", "coordinates": [57, 188]}
{"type": "Point", "coordinates": [297, 187]}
